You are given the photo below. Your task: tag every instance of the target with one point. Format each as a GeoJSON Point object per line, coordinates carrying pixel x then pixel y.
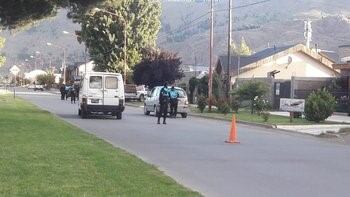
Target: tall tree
{"type": "Point", "coordinates": [103, 33]}
{"type": "Point", "coordinates": [2, 58]}
{"type": "Point", "coordinates": [243, 49]}
{"type": "Point", "coordinates": [157, 67]}
{"type": "Point", "coordinates": [18, 13]}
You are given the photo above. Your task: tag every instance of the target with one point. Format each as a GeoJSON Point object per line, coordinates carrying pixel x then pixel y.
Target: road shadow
{"type": "Point", "coordinates": [69, 116]}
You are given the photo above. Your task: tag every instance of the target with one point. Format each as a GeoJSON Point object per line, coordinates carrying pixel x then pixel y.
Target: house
{"type": "Point", "coordinates": [76, 70]}
{"type": "Point", "coordinates": [290, 71]}
{"type": "Point", "coordinates": [279, 63]}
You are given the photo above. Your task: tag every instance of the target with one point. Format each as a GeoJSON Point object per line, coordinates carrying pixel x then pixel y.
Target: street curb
{"type": "Point", "coordinates": [238, 121]}
{"type": "Point", "coordinates": [222, 119]}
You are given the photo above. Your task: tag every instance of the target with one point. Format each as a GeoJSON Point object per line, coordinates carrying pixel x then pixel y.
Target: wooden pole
{"type": "Point", "coordinates": [211, 46]}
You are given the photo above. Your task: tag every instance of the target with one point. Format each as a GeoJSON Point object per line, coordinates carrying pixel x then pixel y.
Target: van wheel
{"type": "Point", "coordinates": [119, 115]}
{"type": "Point", "coordinates": [84, 113]}
{"type": "Point", "coordinates": [184, 115]}
{"type": "Point", "coordinates": [145, 110]}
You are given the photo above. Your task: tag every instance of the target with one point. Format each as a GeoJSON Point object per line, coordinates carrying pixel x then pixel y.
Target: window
{"type": "Point", "coordinates": [153, 94]}
{"type": "Point", "coordinates": [182, 94]}
{"type": "Point", "coordinates": [111, 83]}
{"type": "Point", "coordinates": [96, 82]}
{"type": "Point", "coordinates": [278, 88]}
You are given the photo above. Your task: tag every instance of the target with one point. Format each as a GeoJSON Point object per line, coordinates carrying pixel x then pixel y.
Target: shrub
{"type": "Point", "coordinates": [319, 106]}
{"type": "Point", "coordinates": [223, 106]}
{"type": "Point", "coordinates": [261, 105]}
{"type": "Point", "coordinates": [202, 103]}
{"type": "Point", "coordinates": [265, 116]}
{"type": "Point", "coordinates": [234, 104]}
{"type": "Point", "coordinates": [46, 79]}
{"type": "Point", "coordinates": [251, 90]}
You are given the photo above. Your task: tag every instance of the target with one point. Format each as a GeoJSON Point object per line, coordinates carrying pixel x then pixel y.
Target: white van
{"type": "Point", "coordinates": [101, 92]}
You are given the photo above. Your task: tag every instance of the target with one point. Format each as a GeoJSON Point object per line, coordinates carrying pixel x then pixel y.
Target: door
{"type": "Point", "coordinates": [281, 90]}
{"type": "Point", "coordinates": [95, 90]}
{"type": "Point", "coordinates": [111, 90]}
{"type": "Point", "coordinates": [153, 100]}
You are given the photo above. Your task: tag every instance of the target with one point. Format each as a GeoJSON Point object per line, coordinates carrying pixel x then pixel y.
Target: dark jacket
{"type": "Point", "coordinates": [164, 96]}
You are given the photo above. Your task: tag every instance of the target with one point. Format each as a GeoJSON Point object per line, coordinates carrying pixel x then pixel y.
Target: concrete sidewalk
{"type": "Point", "coordinates": [333, 118]}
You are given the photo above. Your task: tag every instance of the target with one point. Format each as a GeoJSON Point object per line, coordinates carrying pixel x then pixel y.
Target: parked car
{"type": "Point", "coordinates": [39, 87]}
{"type": "Point", "coordinates": [31, 86]}
{"type": "Point", "coordinates": [151, 104]}
{"type": "Point", "coordinates": [134, 92]}
{"type": "Point", "coordinates": [101, 93]}
{"type": "Point", "coordinates": [141, 92]}
{"type": "Point", "coordinates": [130, 92]}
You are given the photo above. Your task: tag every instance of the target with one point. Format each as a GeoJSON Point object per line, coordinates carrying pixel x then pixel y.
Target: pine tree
{"type": "Point", "coordinates": [244, 48]}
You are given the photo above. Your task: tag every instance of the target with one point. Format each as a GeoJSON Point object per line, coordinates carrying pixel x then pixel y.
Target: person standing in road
{"type": "Point", "coordinates": [77, 89]}
{"type": "Point", "coordinates": [72, 94]}
{"type": "Point", "coordinates": [63, 91]}
{"type": "Point", "coordinates": [66, 90]}
{"type": "Point", "coordinates": [174, 95]}
{"type": "Point", "coordinates": [164, 103]}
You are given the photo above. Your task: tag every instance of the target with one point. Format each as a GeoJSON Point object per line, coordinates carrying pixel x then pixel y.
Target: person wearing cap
{"type": "Point", "coordinates": [164, 103]}
{"type": "Point", "coordinates": [174, 95]}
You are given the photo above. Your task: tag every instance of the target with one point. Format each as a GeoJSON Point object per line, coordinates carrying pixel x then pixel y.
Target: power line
{"type": "Point", "coordinates": [191, 23]}
{"type": "Point", "coordinates": [244, 6]}
{"type": "Point", "coordinates": [188, 25]}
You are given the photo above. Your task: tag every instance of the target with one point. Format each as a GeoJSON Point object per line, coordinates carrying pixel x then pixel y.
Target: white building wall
{"type": "Point", "coordinates": [297, 65]}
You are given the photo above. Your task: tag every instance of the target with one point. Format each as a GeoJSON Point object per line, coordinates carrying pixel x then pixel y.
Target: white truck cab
{"type": "Point", "coordinates": [101, 92]}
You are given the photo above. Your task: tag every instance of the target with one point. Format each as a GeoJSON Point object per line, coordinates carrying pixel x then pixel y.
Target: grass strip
{"type": "Point", "coordinates": [41, 155]}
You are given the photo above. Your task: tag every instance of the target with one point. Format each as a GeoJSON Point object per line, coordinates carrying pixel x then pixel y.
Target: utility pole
{"type": "Point", "coordinates": [64, 66]}
{"type": "Point", "coordinates": [308, 33]}
{"type": "Point", "coordinates": [85, 59]}
{"type": "Point", "coordinates": [229, 48]}
{"type": "Point", "coordinates": [125, 43]}
{"type": "Point", "coordinates": [211, 45]}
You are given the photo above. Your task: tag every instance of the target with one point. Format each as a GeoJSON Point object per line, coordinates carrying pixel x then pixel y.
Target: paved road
{"type": "Point", "coordinates": [266, 163]}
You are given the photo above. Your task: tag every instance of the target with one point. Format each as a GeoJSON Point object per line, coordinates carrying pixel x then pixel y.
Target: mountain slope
{"type": "Point", "coordinates": [185, 30]}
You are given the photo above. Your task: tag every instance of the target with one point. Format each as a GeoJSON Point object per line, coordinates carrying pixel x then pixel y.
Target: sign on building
{"type": "Point", "coordinates": [292, 105]}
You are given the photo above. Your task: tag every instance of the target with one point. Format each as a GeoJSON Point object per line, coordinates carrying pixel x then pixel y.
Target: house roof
{"type": "Point", "coordinates": [269, 54]}
{"type": "Point", "coordinates": [331, 55]}
{"type": "Point", "coordinates": [246, 60]}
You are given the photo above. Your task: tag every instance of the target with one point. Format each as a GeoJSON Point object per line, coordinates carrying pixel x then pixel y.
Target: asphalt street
{"type": "Point", "coordinates": [267, 163]}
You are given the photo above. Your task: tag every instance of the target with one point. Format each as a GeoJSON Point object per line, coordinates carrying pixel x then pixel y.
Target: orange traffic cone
{"type": "Point", "coordinates": [233, 133]}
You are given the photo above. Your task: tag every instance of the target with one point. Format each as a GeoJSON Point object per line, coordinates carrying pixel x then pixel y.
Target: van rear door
{"type": "Point", "coordinates": [111, 90]}
{"type": "Point", "coordinates": [95, 90]}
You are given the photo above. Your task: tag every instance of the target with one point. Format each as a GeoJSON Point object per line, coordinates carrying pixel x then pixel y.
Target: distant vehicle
{"type": "Point", "coordinates": [31, 86]}
{"type": "Point", "coordinates": [39, 87]}
{"type": "Point", "coordinates": [130, 92]}
{"type": "Point", "coordinates": [142, 92]}
{"type": "Point", "coordinates": [151, 103]}
{"type": "Point", "coordinates": [101, 93]}
{"type": "Point", "coordinates": [134, 92]}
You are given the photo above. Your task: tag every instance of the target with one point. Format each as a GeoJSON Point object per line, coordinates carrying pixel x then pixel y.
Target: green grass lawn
{"type": "Point", "coordinates": [254, 118]}
{"type": "Point", "coordinates": [41, 155]}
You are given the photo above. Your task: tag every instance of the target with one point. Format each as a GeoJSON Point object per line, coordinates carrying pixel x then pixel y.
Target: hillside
{"type": "Point", "coordinates": [185, 30]}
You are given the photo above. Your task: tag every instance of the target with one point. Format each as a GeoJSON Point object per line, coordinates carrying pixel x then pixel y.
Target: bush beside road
{"type": "Point", "coordinates": [246, 116]}
{"type": "Point", "coordinates": [44, 156]}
